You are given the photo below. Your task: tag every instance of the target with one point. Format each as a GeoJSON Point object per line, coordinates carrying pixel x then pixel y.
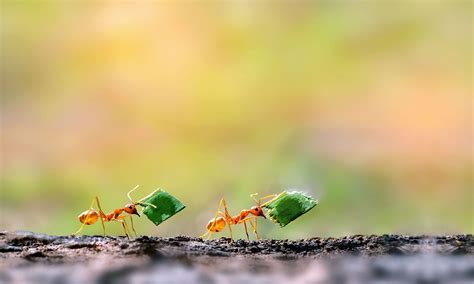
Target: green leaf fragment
{"type": "Point", "coordinates": [288, 206]}
{"type": "Point", "coordinates": [166, 206]}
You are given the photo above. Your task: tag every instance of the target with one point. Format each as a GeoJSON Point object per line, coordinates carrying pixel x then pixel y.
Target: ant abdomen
{"type": "Point", "coordinates": [216, 225]}
{"type": "Point", "coordinates": [88, 217]}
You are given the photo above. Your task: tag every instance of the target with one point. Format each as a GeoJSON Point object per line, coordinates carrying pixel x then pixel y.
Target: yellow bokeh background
{"type": "Point", "coordinates": [367, 106]}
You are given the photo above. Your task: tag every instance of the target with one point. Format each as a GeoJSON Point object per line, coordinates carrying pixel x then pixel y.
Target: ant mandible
{"type": "Point", "coordinates": [91, 215]}
{"type": "Point", "coordinates": [219, 222]}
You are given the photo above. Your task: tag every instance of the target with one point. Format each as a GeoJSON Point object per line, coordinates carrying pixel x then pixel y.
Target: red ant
{"type": "Point", "coordinates": [219, 222]}
{"type": "Point", "coordinates": [91, 216]}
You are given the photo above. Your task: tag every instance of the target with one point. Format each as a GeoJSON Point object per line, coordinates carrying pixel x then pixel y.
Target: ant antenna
{"type": "Point", "coordinates": [138, 202]}
{"type": "Point", "coordinates": [128, 194]}
{"type": "Point", "coordinates": [253, 197]}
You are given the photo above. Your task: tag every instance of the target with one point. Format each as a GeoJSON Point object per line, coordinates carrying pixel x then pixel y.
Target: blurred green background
{"type": "Point", "coordinates": [367, 106]}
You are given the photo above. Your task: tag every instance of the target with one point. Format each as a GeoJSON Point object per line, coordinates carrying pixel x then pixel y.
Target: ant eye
{"type": "Point", "coordinates": [130, 206]}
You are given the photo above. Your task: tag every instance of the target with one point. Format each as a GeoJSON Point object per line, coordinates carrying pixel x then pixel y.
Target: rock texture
{"type": "Point", "coordinates": [27, 257]}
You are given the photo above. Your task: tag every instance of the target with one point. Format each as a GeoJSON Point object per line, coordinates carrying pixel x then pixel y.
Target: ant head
{"type": "Point", "coordinates": [257, 211]}
{"type": "Point", "coordinates": [131, 209]}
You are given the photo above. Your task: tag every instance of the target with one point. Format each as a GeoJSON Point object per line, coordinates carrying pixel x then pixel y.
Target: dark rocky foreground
{"type": "Point", "coordinates": [33, 258]}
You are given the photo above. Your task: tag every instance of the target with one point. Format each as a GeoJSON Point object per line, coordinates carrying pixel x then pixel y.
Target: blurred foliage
{"type": "Point", "coordinates": [364, 105]}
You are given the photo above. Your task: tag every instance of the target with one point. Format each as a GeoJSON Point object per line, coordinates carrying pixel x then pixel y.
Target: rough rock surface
{"type": "Point", "coordinates": [36, 258]}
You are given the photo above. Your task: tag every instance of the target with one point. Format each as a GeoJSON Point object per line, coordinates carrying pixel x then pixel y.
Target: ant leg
{"type": "Point", "coordinates": [133, 228]}
{"type": "Point", "coordinates": [124, 227]}
{"type": "Point", "coordinates": [101, 214]}
{"type": "Point", "coordinates": [85, 221]}
{"type": "Point", "coordinates": [254, 225]}
{"type": "Point", "coordinates": [227, 216]}
{"type": "Point", "coordinates": [256, 233]}
{"type": "Point", "coordinates": [244, 221]}
{"type": "Point", "coordinates": [78, 231]}
{"type": "Point", "coordinates": [103, 226]}
{"type": "Point", "coordinates": [205, 234]}
{"type": "Point", "coordinates": [123, 219]}
{"type": "Point", "coordinates": [226, 211]}
{"type": "Point", "coordinates": [208, 234]}
{"type": "Point", "coordinates": [218, 212]}
{"type": "Point", "coordinates": [230, 230]}
{"type": "Point", "coordinates": [215, 217]}
{"type": "Point", "coordinates": [246, 231]}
